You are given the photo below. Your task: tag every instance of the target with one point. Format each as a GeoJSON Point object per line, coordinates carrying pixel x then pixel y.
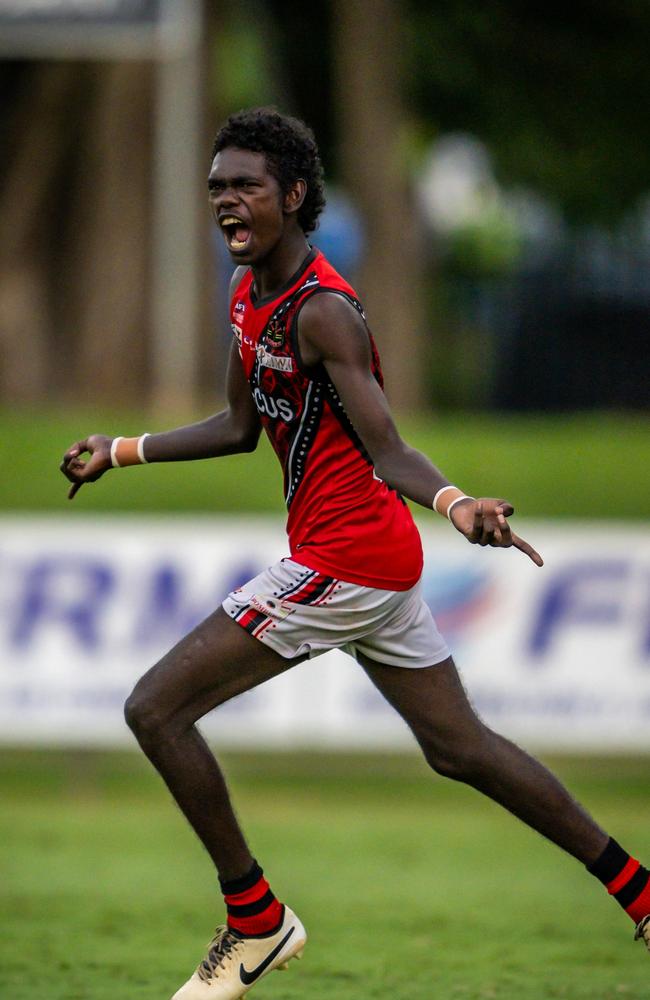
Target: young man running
{"type": "Point", "coordinates": [304, 367]}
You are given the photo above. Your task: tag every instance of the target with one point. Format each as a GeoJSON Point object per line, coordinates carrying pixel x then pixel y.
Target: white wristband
{"type": "Point", "coordinates": [141, 447]}
{"type": "Point", "coordinates": [439, 494]}
{"type": "Point", "coordinates": [453, 504]}
{"type": "Point", "coordinates": [114, 461]}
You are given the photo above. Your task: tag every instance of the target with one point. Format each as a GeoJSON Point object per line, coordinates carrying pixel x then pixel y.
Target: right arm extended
{"type": "Point", "coordinates": [233, 430]}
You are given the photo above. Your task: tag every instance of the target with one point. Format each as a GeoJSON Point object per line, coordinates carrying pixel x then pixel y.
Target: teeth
{"type": "Point", "coordinates": [230, 220]}
{"type": "Point", "coordinates": [237, 244]}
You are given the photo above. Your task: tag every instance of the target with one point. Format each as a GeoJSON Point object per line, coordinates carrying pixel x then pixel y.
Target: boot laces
{"type": "Point", "coordinates": [643, 930]}
{"type": "Point", "coordinates": [223, 943]}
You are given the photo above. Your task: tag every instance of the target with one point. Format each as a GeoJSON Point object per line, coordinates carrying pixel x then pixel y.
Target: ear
{"type": "Point", "coordinates": [295, 196]}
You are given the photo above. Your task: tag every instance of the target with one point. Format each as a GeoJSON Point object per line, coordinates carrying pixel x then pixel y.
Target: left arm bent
{"type": "Point", "coordinates": [331, 332]}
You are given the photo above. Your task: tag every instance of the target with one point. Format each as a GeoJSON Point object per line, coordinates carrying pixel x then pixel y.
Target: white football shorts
{"type": "Point", "coordinates": [298, 611]}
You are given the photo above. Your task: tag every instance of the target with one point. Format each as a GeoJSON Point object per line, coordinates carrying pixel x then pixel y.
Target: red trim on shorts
{"type": "Point", "coordinates": [312, 591]}
{"type": "Point", "coordinates": [246, 616]}
{"type": "Point", "coordinates": [327, 593]}
{"type": "Point", "coordinates": [261, 628]}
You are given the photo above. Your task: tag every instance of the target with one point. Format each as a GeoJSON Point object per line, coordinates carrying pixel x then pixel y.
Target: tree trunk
{"type": "Point", "coordinates": [33, 160]}
{"type": "Point", "coordinates": [107, 278]}
{"type": "Point", "coordinates": [74, 239]}
{"type": "Point", "coordinates": [368, 72]}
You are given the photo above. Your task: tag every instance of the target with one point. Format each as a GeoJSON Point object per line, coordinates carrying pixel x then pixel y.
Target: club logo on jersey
{"type": "Point", "coordinates": [275, 332]}
{"type": "Point", "coordinates": [280, 363]}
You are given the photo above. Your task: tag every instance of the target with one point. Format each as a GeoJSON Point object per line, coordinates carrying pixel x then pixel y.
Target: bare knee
{"type": "Point", "coordinates": [145, 717]}
{"type": "Point", "coordinates": [461, 757]}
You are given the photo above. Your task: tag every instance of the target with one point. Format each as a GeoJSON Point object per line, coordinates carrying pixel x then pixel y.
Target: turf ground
{"type": "Point", "coordinates": [572, 465]}
{"type": "Point", "coordinates": [412, 888]}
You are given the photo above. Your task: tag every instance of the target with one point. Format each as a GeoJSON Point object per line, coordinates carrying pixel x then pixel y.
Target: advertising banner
{"type": "Point", "coordinates": [557, 658]}
{"type": "Point", "coordinates": [56, 12]}
{"type": "Point", "coordinates": [90, 29]}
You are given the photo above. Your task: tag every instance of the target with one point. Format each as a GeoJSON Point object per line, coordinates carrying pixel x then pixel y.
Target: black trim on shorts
{"type": "Point", "coordinates": [301, 583]}
{"type": "Point", "coordinates": [320, 590]}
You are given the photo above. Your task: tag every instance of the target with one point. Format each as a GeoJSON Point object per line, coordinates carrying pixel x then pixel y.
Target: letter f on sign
{"type": "Point", "coordinates": [584, 593]}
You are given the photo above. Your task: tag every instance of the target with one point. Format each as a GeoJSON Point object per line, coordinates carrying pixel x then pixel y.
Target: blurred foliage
{"type": "Point", "coordinates": [554, 92]}
{"type": "Point", "coordinates": [486, 246]}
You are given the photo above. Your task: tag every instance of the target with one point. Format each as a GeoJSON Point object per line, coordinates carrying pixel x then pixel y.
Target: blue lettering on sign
{"type": "Point", "coordinates": [586, 593]}
{"type": "Point", "coordinates": [69, 591]}
{"type": "Point", "coordinates": [77, 594]}
{"type": "Point", "coordinates": [166, 612]}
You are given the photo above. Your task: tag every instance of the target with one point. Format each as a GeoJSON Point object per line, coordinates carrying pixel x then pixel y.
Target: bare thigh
{"type": "Point", "coordinates": [432, 700]}
{"type": "Point", "coordinates": [215, 662]}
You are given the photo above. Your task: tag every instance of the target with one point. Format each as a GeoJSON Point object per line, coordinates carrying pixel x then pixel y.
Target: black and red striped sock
{"type": "Point", "coordinates": [252, 907]}
{"type": "Point", "coordinates": [625, 879]}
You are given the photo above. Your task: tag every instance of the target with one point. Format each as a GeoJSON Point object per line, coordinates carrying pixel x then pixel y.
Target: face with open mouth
{"type": "Point", "coordinates": [246, 202]}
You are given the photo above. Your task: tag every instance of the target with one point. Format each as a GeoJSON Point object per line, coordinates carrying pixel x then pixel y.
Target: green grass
{"type": "Point", "coordinates": [412, 888]}
{"type": "Point", "coordinates": [580, 466]}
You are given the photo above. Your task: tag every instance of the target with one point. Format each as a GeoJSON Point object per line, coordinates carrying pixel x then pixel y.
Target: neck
{"type": "Point", "coordinates": [283, 261]}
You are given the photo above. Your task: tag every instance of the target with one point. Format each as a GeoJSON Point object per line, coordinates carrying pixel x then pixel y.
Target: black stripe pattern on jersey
{"type": "Point", "coordinates": [320, 371]}
{"type": "Point", "coordinates": [303, 440]}
{"type": "Point", "coordinates": [275, 319]}
{"type": "Point", "coordinates": [339, 412]}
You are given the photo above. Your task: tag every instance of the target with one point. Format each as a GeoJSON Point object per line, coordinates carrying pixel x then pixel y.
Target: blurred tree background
{"type": "Point", "coordinates": [496, 159]}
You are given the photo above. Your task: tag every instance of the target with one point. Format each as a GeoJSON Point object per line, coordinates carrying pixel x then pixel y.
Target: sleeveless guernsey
{"type": "Point", "coordinates": [343, 521]}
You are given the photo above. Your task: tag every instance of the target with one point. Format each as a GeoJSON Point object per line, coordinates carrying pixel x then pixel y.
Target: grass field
{"type": "Point", "coordinates": [583, 465]}
{"type": "Point", "coordinates": [412, 888]}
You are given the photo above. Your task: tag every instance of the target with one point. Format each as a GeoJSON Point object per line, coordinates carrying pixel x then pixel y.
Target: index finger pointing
{"type": "Point", "coordinates": [527, 549]}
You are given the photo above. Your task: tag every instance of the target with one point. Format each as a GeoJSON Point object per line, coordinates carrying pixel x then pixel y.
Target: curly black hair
{"type": "Point", "coordinates": [290, 149]}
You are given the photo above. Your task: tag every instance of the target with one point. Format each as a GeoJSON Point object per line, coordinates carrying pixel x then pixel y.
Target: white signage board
{"type": "Point", "coordinates": [557, 658]}
{"type": "Point", "coordinates": [96, 29]}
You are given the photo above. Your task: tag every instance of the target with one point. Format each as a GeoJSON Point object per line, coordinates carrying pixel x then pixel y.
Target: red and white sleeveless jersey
{"type": "Point", "coordinates": [343, 520]}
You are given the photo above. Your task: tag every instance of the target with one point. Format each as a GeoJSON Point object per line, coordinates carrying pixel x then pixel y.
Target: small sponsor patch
{"type": "Point", "coordinates": [281, 363]}
{"type": "Point", "coordinates": [274, 609]}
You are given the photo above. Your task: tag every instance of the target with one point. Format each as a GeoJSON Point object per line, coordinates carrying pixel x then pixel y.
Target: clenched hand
{"type": "Point", "coordinates": [79, 471]}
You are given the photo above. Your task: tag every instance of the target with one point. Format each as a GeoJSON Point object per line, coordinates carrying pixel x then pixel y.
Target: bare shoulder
{"type": "Point", "coordinates": [238, 274]}
{"type": "Point", "coordinates": [330, 325]}
{"type": "Point", "coordinates": [329, 306]}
